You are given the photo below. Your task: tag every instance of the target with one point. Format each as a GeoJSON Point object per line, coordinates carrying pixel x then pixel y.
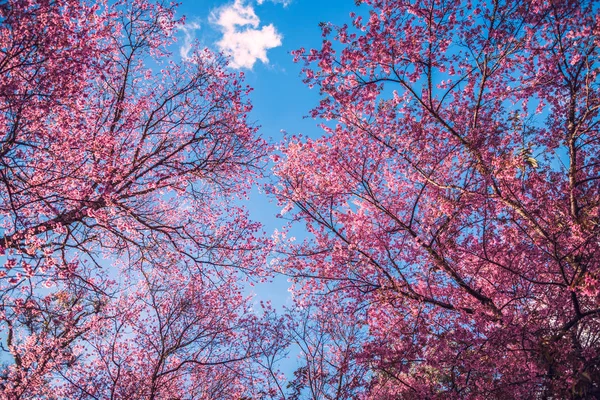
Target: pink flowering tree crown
{"type": "Point", "coordinates": [124, 247]}
{"type": "Point", "coordinates": [454, 198]}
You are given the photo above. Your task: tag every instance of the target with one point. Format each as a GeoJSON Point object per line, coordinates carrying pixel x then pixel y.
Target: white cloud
{"type": "Point", "coordinates": [242, 38]}
{"type": "Point", "coordinates": [189, 34]}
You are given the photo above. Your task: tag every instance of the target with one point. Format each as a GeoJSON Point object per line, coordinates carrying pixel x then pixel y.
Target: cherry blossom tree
{"type": "Point", "coordinates": [454, 198]}
{"type": "Point", "coordinates": [124, 247]}
{"type": "Point", "coordinates": [330, 350]}
{"type": "Point", "coordinates": [326, 350]}
{"type": "Point", "coordinates": [174, 336]}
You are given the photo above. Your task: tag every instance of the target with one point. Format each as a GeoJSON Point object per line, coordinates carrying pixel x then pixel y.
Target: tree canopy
{"type": "Point", "coordinates": [453, 201]}
{"type": "Point", "coordinates": [451, 208]}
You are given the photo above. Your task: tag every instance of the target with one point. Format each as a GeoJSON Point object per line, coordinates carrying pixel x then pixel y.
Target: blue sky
{"type": "Point", "coordinates": [259, 35]}
{"type": "Point", "coordinates": [247, 28]}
